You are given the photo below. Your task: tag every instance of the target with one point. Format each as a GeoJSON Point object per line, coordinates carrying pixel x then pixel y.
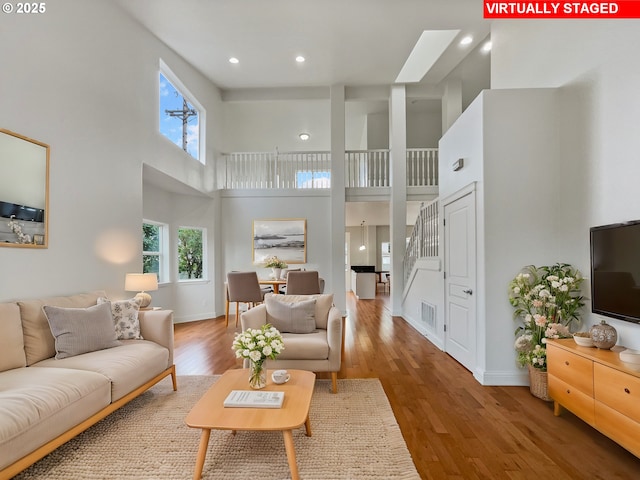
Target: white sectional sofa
{"type": "Point", "coordinates": [45, 401]}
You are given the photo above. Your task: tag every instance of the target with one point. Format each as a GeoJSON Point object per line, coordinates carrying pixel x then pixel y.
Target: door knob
{"type": "Point", "coordinates": [468, 291]}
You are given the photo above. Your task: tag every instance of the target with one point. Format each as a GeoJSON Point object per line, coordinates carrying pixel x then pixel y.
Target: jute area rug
{"type": "Point", "coordinates": [354, 436]}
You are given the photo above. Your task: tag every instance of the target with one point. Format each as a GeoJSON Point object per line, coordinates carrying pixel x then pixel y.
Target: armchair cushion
{"type": "Point", "coordinates": [313, 346]}
{"type": "Point", "coordinates": [323, 305]}
{"type": "Point", "coordinates": [298, 317]}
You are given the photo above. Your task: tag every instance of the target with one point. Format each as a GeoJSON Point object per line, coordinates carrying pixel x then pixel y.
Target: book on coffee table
{"type": "Point", "coordinates": [254, 399]}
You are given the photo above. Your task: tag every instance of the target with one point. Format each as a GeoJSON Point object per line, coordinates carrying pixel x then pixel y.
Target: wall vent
{"type": "Point", "coordinates": [428, 314]}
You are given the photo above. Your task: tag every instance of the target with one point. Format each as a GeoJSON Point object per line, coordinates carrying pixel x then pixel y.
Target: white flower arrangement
{"type": "Point", "coordinates": [17, 229]}
{"type": "Point", "coordinates": [274, 262]}
{"type": "Point", "coordinates": [258, 345]}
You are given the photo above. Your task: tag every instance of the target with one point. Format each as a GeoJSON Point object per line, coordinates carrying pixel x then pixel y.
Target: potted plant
{"type": "Point", "coordinates": [547, 300]}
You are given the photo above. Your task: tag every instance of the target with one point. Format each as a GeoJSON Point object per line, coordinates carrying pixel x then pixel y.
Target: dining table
{"type": "Point", "coordinates": [275, 283]}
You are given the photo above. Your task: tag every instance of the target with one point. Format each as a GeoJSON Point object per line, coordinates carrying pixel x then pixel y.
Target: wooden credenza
{"type": "Point", "coordinates": [597, 387]}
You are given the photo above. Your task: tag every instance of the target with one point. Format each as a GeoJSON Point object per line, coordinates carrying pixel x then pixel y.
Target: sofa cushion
{"type": "Point", "coordinates": [125, 318]}
{"type": "Point", "coordinates": [324, 302]}
{"type": "Point", "coordinates": [39, 404]}
{"type": "Point", "coordinates": [38, 340]}
{"type": "Point", "coordinates": [81, 330]}
{"type": "Point", "coordinates": [291, 317]}
{"type": "Point", "coordinates": [128, 366]}
{"type": "Point", "coordinates": [11, 342]}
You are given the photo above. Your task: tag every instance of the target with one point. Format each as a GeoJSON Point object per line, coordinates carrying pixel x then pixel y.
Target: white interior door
{"type": "Point", "coordinates": [460, 280]}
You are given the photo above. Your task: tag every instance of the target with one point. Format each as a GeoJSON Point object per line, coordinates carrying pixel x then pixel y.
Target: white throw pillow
{"type": "Point", "coordinates": [125, 318]}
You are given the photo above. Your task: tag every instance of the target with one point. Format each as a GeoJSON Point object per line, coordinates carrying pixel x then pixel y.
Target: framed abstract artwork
{"type": "Point", "coordinates": [282, 238]}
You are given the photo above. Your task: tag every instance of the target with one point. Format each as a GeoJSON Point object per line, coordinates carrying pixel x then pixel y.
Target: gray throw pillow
{"type": "Point", "coordinates": [81, 330]}
{"type": "Point", "coordinates": [297, 317]}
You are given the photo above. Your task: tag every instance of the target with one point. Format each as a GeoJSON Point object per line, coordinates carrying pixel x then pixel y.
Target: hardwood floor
{"type": "Point", "coordinates": [454, 427]}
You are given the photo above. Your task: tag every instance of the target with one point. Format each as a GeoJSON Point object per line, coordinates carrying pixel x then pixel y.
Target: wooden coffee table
{"type": "Point", "coordinates": [209, 413]}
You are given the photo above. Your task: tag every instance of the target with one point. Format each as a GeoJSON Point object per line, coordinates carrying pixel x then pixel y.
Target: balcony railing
{"type": "Point", "coordinates": [424, 238]}
{"type": "Point", "coordinates": [422, 167]}
{"type": "Point", "coordinates": [363, 168]}
{"type": "Point", "coordinates": [252, 170]}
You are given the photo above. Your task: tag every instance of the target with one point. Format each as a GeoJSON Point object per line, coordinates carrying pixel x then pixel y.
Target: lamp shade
{"type": "Point", "coordinates": [141, 282]}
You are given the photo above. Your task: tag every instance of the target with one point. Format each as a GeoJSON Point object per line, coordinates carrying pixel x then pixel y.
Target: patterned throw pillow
{"type": "Point", "coordinates": [125, 318]}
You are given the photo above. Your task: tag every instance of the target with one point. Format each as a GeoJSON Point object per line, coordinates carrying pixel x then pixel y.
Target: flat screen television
{"type": "Point", "coordinates": [615, 270]}
{"type": "Point", "coordinates": [21, 212]}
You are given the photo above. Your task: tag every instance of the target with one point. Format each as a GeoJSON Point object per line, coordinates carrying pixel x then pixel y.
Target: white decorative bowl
{"type": "Point", "coordinates": [630, 356]}
{"type": "Point", "coordinates": [583, 341]}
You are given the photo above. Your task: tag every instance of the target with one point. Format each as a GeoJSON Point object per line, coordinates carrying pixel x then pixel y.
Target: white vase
{"type": "Point", "coordinates": [275, 273]}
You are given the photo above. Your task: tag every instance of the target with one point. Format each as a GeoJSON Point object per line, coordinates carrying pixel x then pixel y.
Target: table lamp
{"type": "Point", "coordinates": [142, 283]}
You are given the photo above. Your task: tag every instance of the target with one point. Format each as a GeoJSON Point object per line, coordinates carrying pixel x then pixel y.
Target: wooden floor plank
{"type": "Point", "coordinates": [454, 427]}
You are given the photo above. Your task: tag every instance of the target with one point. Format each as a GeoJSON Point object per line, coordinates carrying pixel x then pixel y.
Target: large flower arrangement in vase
{"type": "Point", "coordinates": [257, 345]}
{"type": "Point", "coordinates": [546, 300]}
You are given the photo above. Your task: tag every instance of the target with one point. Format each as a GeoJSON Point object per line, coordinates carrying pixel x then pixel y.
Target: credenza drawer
{"type": "Point", "coordinates": [571, 368]}
{"type": "Point", "coordinates": [572, 398]}
{"type": "Point", "coordinates": [618, 390]}
{"type": "Point", "coordinates": [618, 427]}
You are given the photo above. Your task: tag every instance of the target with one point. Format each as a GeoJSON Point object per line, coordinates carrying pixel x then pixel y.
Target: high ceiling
{"type": "Point", "coordinates": [350, 42]}
{"type": "Point", "coordinates": [358, 43]}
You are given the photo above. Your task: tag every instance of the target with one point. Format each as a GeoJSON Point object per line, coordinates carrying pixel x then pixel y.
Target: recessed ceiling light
{"type": "Point", "coordinates": [466, 40]}
{"type": "Point", "coordinates": [304, 136]}
{"type": "Point", "coordinates": [234, 60]}
{"type": "Point", "coordinates": [486, 47]}
{"type": "Point", "coordinates": [300, 59]}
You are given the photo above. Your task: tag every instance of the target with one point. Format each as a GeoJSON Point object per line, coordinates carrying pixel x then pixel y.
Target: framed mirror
{"type": "Point", "coordinates": [24, 191]}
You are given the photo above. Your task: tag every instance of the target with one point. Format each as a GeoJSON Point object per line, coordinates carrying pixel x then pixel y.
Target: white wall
{"type": "Point", "coordinates": [509, 142]}
{"type": "Point", "coordinates": [91, 94]}
{"type": "Point", "coordinates": [424, 130]}
{"type": "Point", "coordinates": [425, 285]}
{"type": "Point", "coordinates": [594, 65]}
{"type": "Point", "coordinates": [240, 208]}
{"type": "Point", "coordinates": [264, 125]}
{"type": "Point", "coordinates": [377, 131]}
{"type": "Point", "coordinates": [193, 299]}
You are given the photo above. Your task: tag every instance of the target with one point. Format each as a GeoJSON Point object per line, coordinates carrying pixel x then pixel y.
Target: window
{"type": "Point", "coordinates": [313, 179]}
{"type": "Point", "coordinates": [385, 248]}
{"type": "Point", "coordinates": [154, 244]}
{"type": "Point", "coordinates": [181, 116]}
{"type": "Point", "coordinates": [190, 253]}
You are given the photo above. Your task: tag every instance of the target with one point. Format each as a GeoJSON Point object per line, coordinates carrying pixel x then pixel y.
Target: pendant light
{"type": "Point", "coordinates": [362, 245]}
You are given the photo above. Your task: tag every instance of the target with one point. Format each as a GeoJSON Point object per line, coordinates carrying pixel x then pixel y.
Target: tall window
{"type": "Point", "coordinates": [181, 116]}
{"type": "Point", "coordinates": [385, 249]}
{"type": "Point", "coordinates": [154, 252]}
{"type": "Point", "coordinates": [190, 253]}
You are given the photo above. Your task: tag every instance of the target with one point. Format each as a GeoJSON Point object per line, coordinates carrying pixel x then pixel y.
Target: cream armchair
{"type": "Point", "coordinates": [312, 331]}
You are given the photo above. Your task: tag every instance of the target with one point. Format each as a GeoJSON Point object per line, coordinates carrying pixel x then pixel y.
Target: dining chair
{"type": "Point", "coordinates": [305, 282]}
{"type": "Point", "coordinates": [386, 281]}
{"type": "Point", "coordinates": [242, 287]}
